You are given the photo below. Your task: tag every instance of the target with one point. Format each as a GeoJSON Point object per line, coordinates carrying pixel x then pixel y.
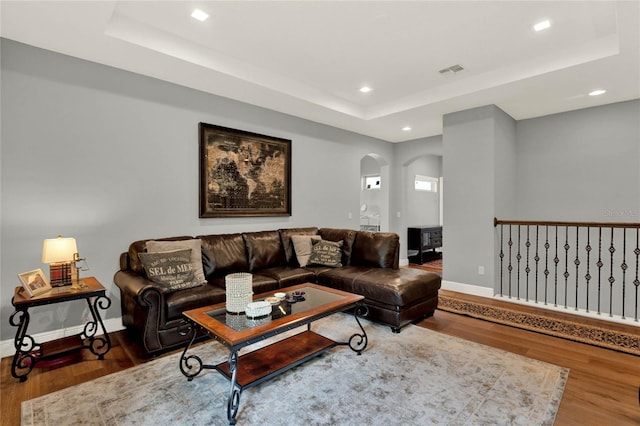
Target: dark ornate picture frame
{"type": "Point", "coordinates": [243, 174]}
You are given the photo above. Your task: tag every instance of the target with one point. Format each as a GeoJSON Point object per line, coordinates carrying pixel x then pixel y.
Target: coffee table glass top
{"type": "Point", "coordinates": [311, 298]}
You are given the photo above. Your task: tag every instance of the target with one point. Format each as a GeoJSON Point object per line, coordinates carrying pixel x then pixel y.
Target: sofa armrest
{"type": "Point", "coordinates": [137, 287]}
{"type": "Point", "coordinates": [142, 303]}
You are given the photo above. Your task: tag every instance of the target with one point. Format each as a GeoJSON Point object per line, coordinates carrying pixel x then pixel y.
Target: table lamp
{"type": "Point", "coordinates": [61, 254]}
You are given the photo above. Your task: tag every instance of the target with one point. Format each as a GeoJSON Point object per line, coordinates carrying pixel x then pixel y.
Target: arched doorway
{"type": "Point", "coordinates": [374, 193]}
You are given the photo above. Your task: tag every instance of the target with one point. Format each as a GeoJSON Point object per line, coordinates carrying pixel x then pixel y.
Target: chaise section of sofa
{"type": "Point", "coordinates": [369, 267]}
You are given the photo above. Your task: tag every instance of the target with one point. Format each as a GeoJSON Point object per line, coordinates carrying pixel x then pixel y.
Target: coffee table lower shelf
{"type": "Point", "coordinates": [265, 363]}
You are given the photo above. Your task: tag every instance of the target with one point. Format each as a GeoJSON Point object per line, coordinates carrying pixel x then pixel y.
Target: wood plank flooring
{"type": "Point", "coordinates": [602, 388]}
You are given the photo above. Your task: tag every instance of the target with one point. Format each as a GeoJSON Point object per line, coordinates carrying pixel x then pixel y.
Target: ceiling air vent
{"type": "Point", "coordinates": [453, 68]}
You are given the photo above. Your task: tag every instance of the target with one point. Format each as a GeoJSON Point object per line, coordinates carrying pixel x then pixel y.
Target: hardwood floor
{"type": "Point", "coordinates": [602, 388]}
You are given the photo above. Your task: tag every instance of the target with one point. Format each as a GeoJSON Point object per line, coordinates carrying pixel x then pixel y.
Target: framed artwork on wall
{"type": "Point", "coordinates": [34, 282]}
{"type": "Point", "coordinates": [243, 174]}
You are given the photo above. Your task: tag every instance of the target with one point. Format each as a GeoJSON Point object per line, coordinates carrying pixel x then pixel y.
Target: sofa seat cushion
{"type": "Point", "coordinates": [289, 275]}
{"type": "Point", "coordinates": [394, 287]}
{"type": "Point", "coordinates": [398, 287]}
{"type": "Point", "coordinates": [183, 300]}
{"type": "Point", "coordinates": [341, 278]}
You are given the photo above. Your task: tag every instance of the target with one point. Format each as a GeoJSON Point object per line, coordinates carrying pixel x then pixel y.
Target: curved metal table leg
{"type": "Point", "coordinates": [358, 342]}
{"type": "Point", "coordinates": [233, 401]}
{"type": "Point", "coordinates": [186, 367]}
{"type": "Point", "coordinates": [98, 346]}
{"type": "Point", "coordinates": [27, 350]}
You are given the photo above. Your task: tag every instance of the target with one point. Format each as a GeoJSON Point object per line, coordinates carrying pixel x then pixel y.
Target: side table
{"type": "Point", "coordinates": [29, 352]}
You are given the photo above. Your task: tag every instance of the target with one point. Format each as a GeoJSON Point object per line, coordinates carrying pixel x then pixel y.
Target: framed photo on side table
{"type": "Point", "coordinates": [34, 282]}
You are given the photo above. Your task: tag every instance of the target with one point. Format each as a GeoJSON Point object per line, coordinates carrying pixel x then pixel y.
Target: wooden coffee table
{"type": "Point", "coordinates": [237, 331]}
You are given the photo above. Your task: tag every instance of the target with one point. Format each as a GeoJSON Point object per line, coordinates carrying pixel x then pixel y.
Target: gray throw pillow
{"type": "Point", "coordinates": [302, 246]}
{"type": "Point", "coordinates": [170, 269]}
{"type": "Point", "coordinates": [326, 253]}
{"type": "Point", "coordinates": [195, 245]}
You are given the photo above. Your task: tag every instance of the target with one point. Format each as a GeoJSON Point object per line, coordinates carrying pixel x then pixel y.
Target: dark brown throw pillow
{"type": "Point", "coordinates": [326, 253]}
{"type": "Point", "coordinates": [172, 270]}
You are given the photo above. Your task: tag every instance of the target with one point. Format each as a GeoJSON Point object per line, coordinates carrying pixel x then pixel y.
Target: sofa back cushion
{"type": "Point", "coordinates": [139, 247]}
{"type": "Point", "coordinates": [347, 236]}
{"type": "Point", "coordinates": [223, 254]}
{"type": "Point", "coordinates": [376, 249]}
{"type": "Point", "coordinates": [289, 249]}
{"type": "Point", "coordinates": [264, 250]}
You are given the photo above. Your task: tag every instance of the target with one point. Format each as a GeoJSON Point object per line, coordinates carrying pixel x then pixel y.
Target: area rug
{"type": "Point", "coordinates": [539, 322]}
{"type": "Point", "coordinates": [432, 265]}
{"type": "Point", "coordinates": [416, 377]}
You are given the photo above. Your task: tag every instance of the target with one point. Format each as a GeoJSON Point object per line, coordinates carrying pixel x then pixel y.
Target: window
{"type": "Point", "coordinates": [426, 183]}
{"type": "Point", "coordinates": [372, 182]}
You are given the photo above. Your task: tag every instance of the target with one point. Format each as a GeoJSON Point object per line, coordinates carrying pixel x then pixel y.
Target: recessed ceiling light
{"type": "Point", "coordinates": [542, 25]}
{"type": "Point", "coordinates": [199, 15]}
{"type": "Point", "coordinates": [365, 89]}
{"type": "Point", "coordinates": [597, 92]}
{"type": "Point", "coordinates": [406, 128]}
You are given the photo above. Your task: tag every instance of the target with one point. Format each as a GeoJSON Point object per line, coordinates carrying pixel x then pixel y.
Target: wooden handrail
{"type": "Point", "coordinates": [497, 222]}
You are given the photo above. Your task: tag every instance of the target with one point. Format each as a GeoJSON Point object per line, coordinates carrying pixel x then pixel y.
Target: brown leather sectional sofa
{"type": "Point", "coordinates": [395, 296]}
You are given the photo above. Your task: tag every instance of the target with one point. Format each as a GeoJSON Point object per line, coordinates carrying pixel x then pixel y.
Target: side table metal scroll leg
{"type": "Point", "coordinates": [100, 345]}
{"type": "Point", "coordinates": [27, 350]}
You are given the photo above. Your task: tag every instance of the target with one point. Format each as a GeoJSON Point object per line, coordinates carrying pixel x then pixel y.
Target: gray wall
{"type": "Point", "coordinates": [581, 165]}
{"type": "Point", "coordinates": [108, 157]}
{"type": "Point", "coordinates": [468, 168]}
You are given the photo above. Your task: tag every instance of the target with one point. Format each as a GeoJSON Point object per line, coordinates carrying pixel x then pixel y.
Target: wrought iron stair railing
{"type": "Point", "coordinates": [588, 266]}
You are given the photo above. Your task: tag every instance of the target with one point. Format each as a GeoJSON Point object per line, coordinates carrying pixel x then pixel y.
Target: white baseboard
{"type": "Point", "coordinates": [7, 346]}
{"type": "Point", "coordinates": [467, 288]}
{"type": "Point", "coordinates": [404, 262]}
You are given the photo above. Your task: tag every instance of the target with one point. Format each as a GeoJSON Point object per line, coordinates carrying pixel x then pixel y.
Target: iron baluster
{"type": "Point", "coordinates": [566, 264]}
{"type": "Point", "coordinates": [527, 269]}
{"type": "Point", "coordinates": [501, 260]}
{"type": "Point", "coordinates": [588, 276]}
{"type": "Point", "coordinates": [623, 266]}
{"type": "Point", "coordinates": [577, 262]}
{"type": "Point", "coordinates": [636, 282]}
{"type": "Point", "coordinates": [612, 280]}
{"type": "Point", "coordinates": [518, 257]}
{"type": "Point", "coordinates": [556, 260]}
{"type": "Point", "coordinates": [599, 265]}
{"type": "Point", "coordinates": [510, 267]}
{"type": "Point", "coordinates": [546, 263]}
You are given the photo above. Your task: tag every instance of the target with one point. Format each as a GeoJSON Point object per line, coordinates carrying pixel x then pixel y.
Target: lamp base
{"type": "Point", "coordinates": [78, 285]}
{"type": "Point", "coordinates": [60, 274]}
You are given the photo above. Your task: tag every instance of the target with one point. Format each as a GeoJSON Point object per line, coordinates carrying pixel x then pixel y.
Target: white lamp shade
{"type": "Point", "coordinates": [58, 250]}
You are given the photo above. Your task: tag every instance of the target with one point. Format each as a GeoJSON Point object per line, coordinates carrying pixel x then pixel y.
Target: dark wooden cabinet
{"type": "Point", "coordinates": [422, 242]}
